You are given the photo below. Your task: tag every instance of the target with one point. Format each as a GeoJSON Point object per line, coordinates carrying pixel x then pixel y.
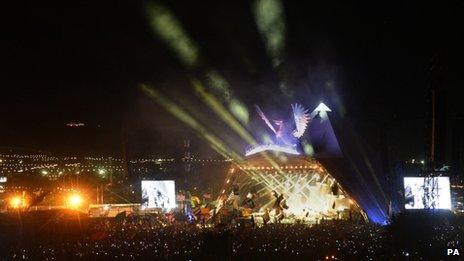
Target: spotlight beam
{"type": "Point", "coordinates": [169, 29]}
{"type": "Point", "coordinates": [269, 17]}
{"type": "Point", "coordinates": [222, 112]}
{"type": "Point", "coordinates": [183, 116]}
{"type": "Point", "coordinates": [229, 119]}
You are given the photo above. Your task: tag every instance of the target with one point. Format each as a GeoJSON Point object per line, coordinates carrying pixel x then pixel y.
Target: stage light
{"type": "Point", "coordinates": [74, 201]}
{"type": "Point", "coordinates": [15, 202]}
{"type": "Point", "coordinates": [18, 202]}
{"type": "Point", "coordinates": [102, 173]}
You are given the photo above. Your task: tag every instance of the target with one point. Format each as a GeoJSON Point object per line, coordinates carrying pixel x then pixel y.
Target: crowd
{"type": "Point", "coordinates": [127, 240]}
{"type": "Point", "coordinates": [153, 238]}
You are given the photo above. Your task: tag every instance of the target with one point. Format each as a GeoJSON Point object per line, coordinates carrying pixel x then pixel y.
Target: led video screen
{"type": "Point", "coordinates": [159, 194]}
{"type": "Point", "coordinates": [427, 193]}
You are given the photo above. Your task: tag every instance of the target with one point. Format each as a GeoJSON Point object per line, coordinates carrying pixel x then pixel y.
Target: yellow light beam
{"type": "Point", "coordinates": [169, 29]}
{"type": "Point", "coordinates": [183, 116]}
{"type": "Point", "coordinates": [229, 119]}
{"type": "Point", "coordinates": [269, 17]}
{"type": "Point", "coordinates": [222, 112]}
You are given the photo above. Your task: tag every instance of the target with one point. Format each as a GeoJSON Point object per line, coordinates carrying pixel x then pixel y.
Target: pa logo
{"type": "Point", "coordinates": [452, 252]}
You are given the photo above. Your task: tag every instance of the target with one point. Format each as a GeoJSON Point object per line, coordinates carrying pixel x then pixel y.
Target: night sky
{"type": "Point", "coordinates": [83, 61]}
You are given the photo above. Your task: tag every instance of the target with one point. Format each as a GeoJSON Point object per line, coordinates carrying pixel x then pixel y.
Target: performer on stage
{"type": "Point", "coordinates": [248, 202]}
{"type": "Point", "coordinates": [266, 216]}
{"type": "Point", "coordinates": [279, 206]}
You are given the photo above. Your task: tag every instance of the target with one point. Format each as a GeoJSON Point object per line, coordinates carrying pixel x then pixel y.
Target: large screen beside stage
{"type": "Point", "coordinates": [158, 194]}
{"type": "Point", "coordinates": [427, 193]}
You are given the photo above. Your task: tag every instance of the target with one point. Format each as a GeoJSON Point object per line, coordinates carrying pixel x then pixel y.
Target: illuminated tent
{"type": "Point", "coordinates": [309, 189]}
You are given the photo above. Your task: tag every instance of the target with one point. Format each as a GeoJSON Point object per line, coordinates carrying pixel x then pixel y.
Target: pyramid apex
{"type": "Point", "coordinates": [322, 107]}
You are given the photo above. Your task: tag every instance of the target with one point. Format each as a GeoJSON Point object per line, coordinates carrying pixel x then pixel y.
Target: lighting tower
{"type": "Point", "coordinates": [187, 156]}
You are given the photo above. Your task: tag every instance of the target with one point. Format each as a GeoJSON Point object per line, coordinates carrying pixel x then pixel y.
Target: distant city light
{"type": "Point", "coordinates": [44, 172]}
{"type": "Point", "coordinates": [75, 124]}
{"type": "Point", "coordinates": [422, 162]}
